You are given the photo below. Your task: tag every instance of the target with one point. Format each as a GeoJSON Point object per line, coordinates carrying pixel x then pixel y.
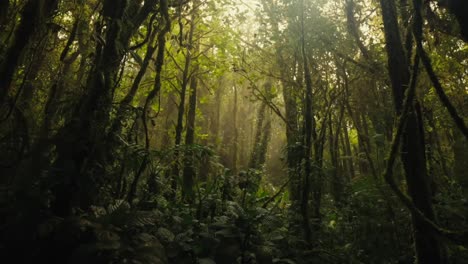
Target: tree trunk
{"type": "Point", "coordinates": [32, 16]}
{"type": "Point", "coordinates": [264, 142]}
{"type": "Point", "coordinates": [254, 157]}
{"type": "Point", "coordinates": [215, 115]}
{"type": "Point", "coordinates": [333, 142]}
{"type": "Point", "coordinates": [183, 90]}
{"type": "Point", "coordinates": [308, 123]}
{"type": "Point", "coordinates": [262, 135]}
{"type": "Point", "coordinates": [81, 149]}
{"type": "Point", "coordinates": [427, 246]}
{"type": "Point", "coordinates": [117, 123]}
{"type": "Point", "coordinates": [348, 153]}
{"type": "Point", "coordinates": [293, 146]}
{"type": "Point", "coordinates": [235, 139]}
{"type": "Point", "coordinates": [189, 166]}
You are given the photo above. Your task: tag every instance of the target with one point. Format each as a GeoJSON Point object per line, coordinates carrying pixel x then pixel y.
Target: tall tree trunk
{"type": "Point", "coordinates": [318, 148]}
{"type": "Point", "coordinates": [264, 142]}
{"type": "Point", "coordinates": [170, 109]}
{"type": "Point", "coordinates": [261, 138]}
{"type": "Point", "coordinates": [189, 166]}
{"type": "Point", "coordinates": [293, 155]}
{"type": "Point", "coordinates": [90, 119]}
{"type": "Point", "coordinates": [333, 142]}
{"type": "Point", "coordinates": [143, 12]}
{"type": "Point", "coordinates": [427, 246]}
{"type": "Point", "coordinates": [348, 153]}
{"type": "Point", "coordinates": [308, 123]}
{"type": "Point", "coordinates": [347, 142]}
{"type": "Point", "coordinates": [254, 157]}
{"type": "Point", "coordinates": [81, 149]}
{"type": "Point", "coordinates": [235, 139]}
{"type": "Point", "coordinates": [215, 115]}
{"type": "Point", "coordinates": [293, 147]}
{"type": "Point", "coordinates": [56, 90]}
{"type": "Point", "coordinates": [183, 90]}
{"type": "Point", "coordinates": [40, 151]}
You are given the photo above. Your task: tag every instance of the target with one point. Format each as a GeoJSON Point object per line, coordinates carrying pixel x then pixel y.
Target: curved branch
{"type": "Point", "coordinates": [159, 63]}
{"type": "Point", "coordinates": [455, 236]}
{"type": "Point", "coordinates": [417, 32]}
{"type": "Point", "coordinates": [440, 90]}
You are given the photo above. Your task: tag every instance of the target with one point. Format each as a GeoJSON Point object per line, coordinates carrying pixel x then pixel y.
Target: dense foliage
{"type": "Point", "coordinates": [220, 131]}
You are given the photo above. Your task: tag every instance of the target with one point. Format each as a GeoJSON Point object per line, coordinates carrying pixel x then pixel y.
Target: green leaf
{"type": "Point", "coordinates": [165, 234]}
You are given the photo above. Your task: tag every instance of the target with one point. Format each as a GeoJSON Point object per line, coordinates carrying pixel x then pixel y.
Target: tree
{"type": "Point", "coordinates": [82, 137]}
{"type": "Point", "coordinates": [427, 245]}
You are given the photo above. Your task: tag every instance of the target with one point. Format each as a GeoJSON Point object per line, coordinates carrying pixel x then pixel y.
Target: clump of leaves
{"type": "Point", "coordinates": [116, 234]}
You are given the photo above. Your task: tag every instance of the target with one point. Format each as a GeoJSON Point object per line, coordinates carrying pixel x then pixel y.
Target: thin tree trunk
{"type": "Point", "coordinates": [116, 126]}
{"type": "Point", "coordinates": [337, 178]}
{"type": "Point", "coordinates": [181, 109]}
{"type": "Point", "coordinates": [170, 109]}
{"type": "Point", "coordinates": [264, 142]}
{"type": "Point", "coordinates": [235, 140]}
{"type": "Point", "coordinates": [215, 115]}
{"type": "Point", "coordinates": [346, 145]}
{"type": "Point", "coordinates": [189, 166]}
{"type": "Point", "coordinates": [308, 120]}
{"type": "Point", "coordinates": [153, 93]}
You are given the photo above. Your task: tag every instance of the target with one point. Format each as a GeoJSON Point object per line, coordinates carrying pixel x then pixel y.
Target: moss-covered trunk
{"type": "Point", "coordinates": [427, 245]}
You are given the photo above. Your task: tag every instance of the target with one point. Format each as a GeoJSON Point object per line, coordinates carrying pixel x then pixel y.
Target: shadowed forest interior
{"type": "Point", "coordinates": [224, 131]}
